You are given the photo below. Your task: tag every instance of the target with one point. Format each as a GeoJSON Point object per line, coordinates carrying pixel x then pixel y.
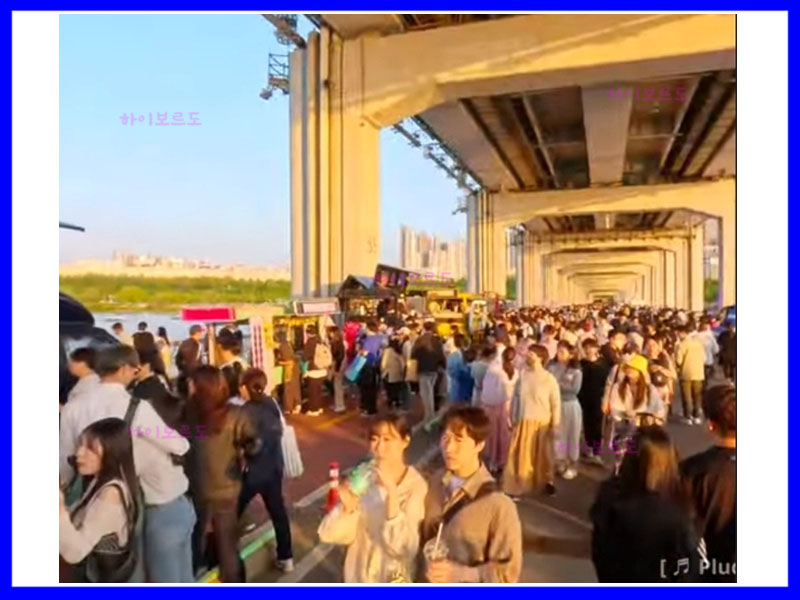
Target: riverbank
{"type": "Point", "coordinates": [123, 294]}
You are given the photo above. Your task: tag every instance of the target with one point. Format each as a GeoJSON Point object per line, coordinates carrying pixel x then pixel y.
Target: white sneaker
{"type": "Point", "coordinates": [698, 421]}
{"type": "Point", "coordinates": [339, 411]}
{"type": "Point", "coordinates": [287, 566]}
{"type": "Point", "coordinates": [249, 527]}
{"type": "Point", "coordinates": [570, 474]}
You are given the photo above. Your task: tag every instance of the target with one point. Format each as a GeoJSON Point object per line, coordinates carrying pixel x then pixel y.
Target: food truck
{"type": "Point", "coordinates": [261, 324]}
{"type": "Point", "coordinates": [361, 297]}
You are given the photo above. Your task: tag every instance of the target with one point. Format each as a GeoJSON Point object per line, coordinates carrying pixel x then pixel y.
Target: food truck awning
{"type": "Point", "coordinates": [359, 286]}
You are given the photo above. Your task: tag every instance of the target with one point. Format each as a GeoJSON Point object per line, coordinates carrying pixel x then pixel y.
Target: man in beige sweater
{"type": "Point", "coordinates": [466, 513]}
{"type": "Point", "coordinates": [690, 357]}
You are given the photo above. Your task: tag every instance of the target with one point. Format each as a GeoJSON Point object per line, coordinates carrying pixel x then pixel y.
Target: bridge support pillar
{"type": "Point", "coordinates": [335, 179]}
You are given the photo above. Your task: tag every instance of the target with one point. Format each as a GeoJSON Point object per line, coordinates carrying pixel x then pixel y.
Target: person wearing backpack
{"type": "Point", "coordinates": [168, 515]}
{"type": "Point", "coordinates": [318, 356]}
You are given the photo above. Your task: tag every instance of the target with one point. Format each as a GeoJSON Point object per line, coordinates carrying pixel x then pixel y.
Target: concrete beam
{"type": "Point", "coordinates": [724, 162]}
{"type": "Point", "coordinates": [603, 221]}
{"type": "Point", "coordinates": [711, 198]}
{"type": "Point", "coordinates": [352, 25]}
{"type": "Point", "coordinates": [606, 118]}
{"type": "Point", "coordinates": [407, 73]}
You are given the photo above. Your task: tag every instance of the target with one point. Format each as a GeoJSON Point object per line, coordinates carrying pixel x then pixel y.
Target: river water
{"type": "Point", "coordinates": [177, 330]}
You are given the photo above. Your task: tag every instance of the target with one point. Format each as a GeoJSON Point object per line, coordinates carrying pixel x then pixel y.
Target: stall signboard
{"type": "Point", "coordinates": [391, 278]}
{"type": "Point", "coordinates": [325, 306]}
{"type": "Point", "coordinates": [208, 314]}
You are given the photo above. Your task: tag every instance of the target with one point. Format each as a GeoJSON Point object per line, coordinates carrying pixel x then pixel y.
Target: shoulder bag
{"type": "Point", "coordinates": [292, 460]}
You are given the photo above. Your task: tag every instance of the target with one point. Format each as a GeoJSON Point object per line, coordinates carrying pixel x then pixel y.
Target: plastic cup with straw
{"type": "Point", "coordinates": [435, 549]}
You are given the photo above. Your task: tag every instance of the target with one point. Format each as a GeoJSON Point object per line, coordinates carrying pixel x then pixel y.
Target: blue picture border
{"type": "Point", "coordinates": [6, 357]}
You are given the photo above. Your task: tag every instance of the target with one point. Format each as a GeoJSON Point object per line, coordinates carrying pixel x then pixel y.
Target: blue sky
{"type": "Point", "coordinates": [218, 191]}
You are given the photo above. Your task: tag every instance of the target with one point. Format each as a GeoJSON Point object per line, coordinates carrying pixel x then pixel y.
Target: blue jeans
{"type": "Point", "coordinates": [168, 541]}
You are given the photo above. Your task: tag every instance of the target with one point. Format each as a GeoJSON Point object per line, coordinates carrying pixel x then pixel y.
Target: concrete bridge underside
{"type": "Point", "coordinates": [523, 101]}
{"type": "Point", "coordinates": [639, 274]}
{"type": "Point", "coordinates": [490, 215]}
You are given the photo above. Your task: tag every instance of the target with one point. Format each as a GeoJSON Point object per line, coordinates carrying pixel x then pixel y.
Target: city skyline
{"type": "Point", "coordinates": [419, 250]}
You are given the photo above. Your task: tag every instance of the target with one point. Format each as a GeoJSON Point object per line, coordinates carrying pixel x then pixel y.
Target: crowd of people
{"type": "Point", "coordinates": [155, 472]}
{"type": "Point", "coordinates": [526, 400]}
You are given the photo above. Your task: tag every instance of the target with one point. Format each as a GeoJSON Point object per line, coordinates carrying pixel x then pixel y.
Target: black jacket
{"type": "Point", "coordinates": [337, 353]}
{"type": "Point", "coordinates": [727, 348]}
{"type": "Point", "coordinates": [610, 355]}
{"type": "Point", "coordinates": [429, 353]}
{"type": "Point", "coordinates": [265, 416]}
{"type": "Point", "coordinates": [168, 407]}
{"type": "Point", "coordinates": [642, 538]}
{"type": "Point", "coordinates": [711, 479]}
{"type": "Point", "coordinates": [593, 385]}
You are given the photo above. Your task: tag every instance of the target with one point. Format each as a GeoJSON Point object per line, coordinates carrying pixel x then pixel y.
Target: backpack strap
{"type": "Point", "coordinates": [133, 405]}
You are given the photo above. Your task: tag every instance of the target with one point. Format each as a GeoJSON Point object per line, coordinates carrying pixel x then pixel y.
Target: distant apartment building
{"type": "Point", "coordinates": [422, 252]}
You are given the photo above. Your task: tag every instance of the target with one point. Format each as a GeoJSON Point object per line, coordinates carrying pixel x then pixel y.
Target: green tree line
{"type": "Point", "coordinates": [116, 293]}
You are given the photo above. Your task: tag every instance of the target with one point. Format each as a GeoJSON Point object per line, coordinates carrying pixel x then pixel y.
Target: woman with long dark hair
{"type": "Point", "coordinates": [221, 436]}
{"type": "Point", "coordinates": [264, 473]}
{"type": "Point", "coordinates": [567, 371]}
{"type": "Point", "coordinates": [643, 525]}
{"type": "Point", "coordinates": [99, 532]}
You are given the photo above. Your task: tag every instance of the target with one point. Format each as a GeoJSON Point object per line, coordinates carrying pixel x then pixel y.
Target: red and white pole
{"type": "Point", "coordinates": [333, 490]}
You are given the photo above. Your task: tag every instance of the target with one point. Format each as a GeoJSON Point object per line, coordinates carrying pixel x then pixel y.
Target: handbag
{"type": "Point", "coordinates": [354, 369]}
{"type": "Point", "coordinates": [108, 562]}
{"type": "Point", "coordinates": [292, 460]}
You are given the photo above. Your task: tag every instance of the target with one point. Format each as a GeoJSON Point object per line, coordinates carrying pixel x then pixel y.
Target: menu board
{"type": "Point", "coordinates": [391, 278]}
{"type": "Point", "coordinates": [316, 307]}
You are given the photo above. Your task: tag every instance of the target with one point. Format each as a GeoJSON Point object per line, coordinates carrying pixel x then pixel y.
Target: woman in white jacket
{"type": "Point", "coordinates": [381, 527]}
